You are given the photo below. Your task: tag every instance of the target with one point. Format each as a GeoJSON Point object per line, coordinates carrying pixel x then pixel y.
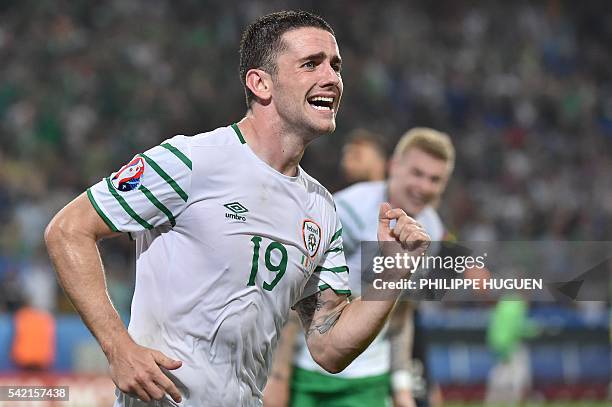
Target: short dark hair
{"type": "Point", "coordinates": [364, 136]}
{"type": "Point", "coordinates": [261, 41]}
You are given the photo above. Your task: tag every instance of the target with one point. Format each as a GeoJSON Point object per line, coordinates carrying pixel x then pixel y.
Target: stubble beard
{"type": "Point", "coordinates": [301, 121]}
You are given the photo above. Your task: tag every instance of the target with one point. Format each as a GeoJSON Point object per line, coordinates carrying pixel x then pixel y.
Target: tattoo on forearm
{"type": "Point", "coordinates": [307, 308]}
{"type": "Point", "coordinates": [328, 321]}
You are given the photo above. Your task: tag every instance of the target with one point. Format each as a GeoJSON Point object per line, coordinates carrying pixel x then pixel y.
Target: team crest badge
{"type": "Point", "coordinates": [311, 234]}
{"type": "Point", "coordinates": [129, 176]}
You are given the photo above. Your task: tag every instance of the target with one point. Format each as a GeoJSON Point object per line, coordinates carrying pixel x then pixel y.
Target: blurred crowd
{"type": "Point", "coordinates": [524, 89]}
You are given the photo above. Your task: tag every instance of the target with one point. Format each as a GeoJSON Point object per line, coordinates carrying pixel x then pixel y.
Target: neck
{"type": "Point", "coordinates": [276, 145]}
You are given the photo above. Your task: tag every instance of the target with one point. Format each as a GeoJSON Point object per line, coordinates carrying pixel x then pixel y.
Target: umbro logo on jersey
{"type": "Point", "coordinates": [311, 235]}
{"type": "Point", "coordinates": [237, 208]}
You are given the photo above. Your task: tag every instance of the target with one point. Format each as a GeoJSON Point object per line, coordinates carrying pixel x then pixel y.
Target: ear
{"type": "Point", "coordinates": [260, 83]}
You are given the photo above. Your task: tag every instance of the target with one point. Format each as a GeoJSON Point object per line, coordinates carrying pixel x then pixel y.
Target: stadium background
{"type": "Point", "coordinates": [524, 88]}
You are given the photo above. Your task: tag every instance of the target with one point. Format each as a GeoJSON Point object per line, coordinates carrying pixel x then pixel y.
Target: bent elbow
{"type": "Point", "coordinates": [331, 365]}
{"type": "Point", "coordinates": [333, 369]}
{"type": "Point", "coordinates": [56, 232]}
{"type": "Point", "coordinates": [52, 232]}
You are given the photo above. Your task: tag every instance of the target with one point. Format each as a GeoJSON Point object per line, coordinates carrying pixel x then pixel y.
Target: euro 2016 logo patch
{"type": "Point", "coordinates": [129, 176]}
{"type": "Point", "coordinates": [311, 234]}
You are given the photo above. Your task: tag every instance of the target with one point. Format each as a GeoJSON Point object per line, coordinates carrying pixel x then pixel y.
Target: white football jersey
{"type": "Point", "coordinates": [225, 246]}
{"type": "Point", "coordinates": [358, 207]}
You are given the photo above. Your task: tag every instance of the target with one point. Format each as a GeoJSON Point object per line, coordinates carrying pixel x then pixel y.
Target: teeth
{"type": "Point", "coordinates": [322, 99]}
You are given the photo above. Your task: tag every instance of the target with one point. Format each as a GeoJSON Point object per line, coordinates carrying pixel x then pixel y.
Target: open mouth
{"type": "Point", "coordinates": [322, 103]}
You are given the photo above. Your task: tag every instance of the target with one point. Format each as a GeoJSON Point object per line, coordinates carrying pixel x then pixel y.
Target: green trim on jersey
{"type": "Point", "coordinates": [102, 214]}
{"type": "Point", "coordinates": [335, 250]}
{"type": "Point", "coordinates": [238, 133]}
{"type": "Point", "coordinates": [352, 214]}
{"type": "Point", "coordinates": [126, 206]}
{"type": "Point", "coordinates": [166, 177]}
{"type": "Point", "coordinates": [158, 204]}
{"type": "Point", "coordinates": [324, 287]}
{"type": "Point", "coordinates": [341, 269]}
{"type": "Point", "coordinates": [178, 153]}
{"type": "Point", "coordinates": [336, 235]}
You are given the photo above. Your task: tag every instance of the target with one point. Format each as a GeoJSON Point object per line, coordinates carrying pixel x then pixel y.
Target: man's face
{"type": "Point", "coordinates": [307, 86]}
{"type": "Point", "coordinates": [360, 161]}
{"type": "Point", "coordinates": [416, 179]}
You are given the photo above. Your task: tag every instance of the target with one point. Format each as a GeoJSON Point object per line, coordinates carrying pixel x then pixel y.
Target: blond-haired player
{"type": "Point", "coordinates": [420, 167]}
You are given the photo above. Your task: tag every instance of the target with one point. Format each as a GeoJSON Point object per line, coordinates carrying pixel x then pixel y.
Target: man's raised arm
{"type": "Point", "coordinates": [337, 330]}
{"type": "Point", "coordinates": [71, 238]}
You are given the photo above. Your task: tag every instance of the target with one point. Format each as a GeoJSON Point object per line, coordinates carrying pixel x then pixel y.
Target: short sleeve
{"type": "Point", "coordinates": [150, 190]}
{"type": "Point", "coordinates": [352, 226]}
{"type": "Point", "coordinates": [332, 272]}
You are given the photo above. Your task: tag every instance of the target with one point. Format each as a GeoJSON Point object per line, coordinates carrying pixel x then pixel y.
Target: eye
{"type": "Point", "coordinates": [309, 64]}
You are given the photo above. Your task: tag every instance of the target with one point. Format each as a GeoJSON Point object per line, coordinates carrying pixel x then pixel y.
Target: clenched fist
{"type": "Point", "coordinates": [407, 231]}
